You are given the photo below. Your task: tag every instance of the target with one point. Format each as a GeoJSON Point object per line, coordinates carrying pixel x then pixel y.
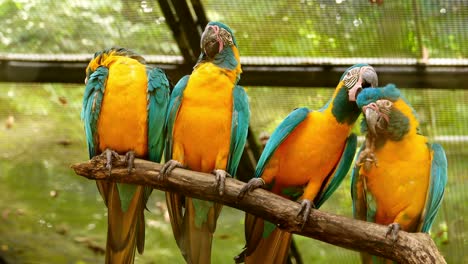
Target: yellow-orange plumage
{"type": "Point", "coordinates": [306, 158]}
{"type": "Point", "coordinates": [318, 155]}
{"type": "Point", "coordinates": [124, 109]}
{"type": "Point", "coordinates": [207, 129]}
{"type": "Point", "coordinates": [203, 128]}
{"type": "Point", "coordinates": [126, 86]}
{"type": "Point", "coordinates": [400, 177]}
{"type": "Point", "coordinates": [405, 161]}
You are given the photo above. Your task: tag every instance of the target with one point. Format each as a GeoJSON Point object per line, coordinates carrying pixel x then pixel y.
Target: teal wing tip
{"type": "Point", "coordinates": [341, 170]}
{"type": "Point", "coordinates": [437, 186]}
{"type": "Point", "coordinates": [440, 160]}
{"type": "Point", "coordinates": [158, 100]}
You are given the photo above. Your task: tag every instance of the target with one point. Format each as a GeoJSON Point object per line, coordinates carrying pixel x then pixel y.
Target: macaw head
{"type": "Point", "coordinates": [100, 58]}
{"type": "Point", "coordinates": [382, 116]}
{"type": "Point", "coordinates": [219, 46]}
{"type": "Point", "coordinates": [358, 77]}
{"type": "Point", "coordinates": [215, 38]}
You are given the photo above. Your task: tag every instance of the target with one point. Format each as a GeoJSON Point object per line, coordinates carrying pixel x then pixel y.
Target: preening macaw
{"type": "Point", "coordinates": [306, 158]}
{"type": "Point", "coordinates": [124, 109]}
{"type": "Point", "coordinates": [207, 127]}
{"type": "Point", "coordinates": [399, 178]}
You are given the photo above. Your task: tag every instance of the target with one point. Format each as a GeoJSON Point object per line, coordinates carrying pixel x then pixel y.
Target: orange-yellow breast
{"type": "Point", "coordinates": [311, 151]}
{"type": "Point", "coordinates": [122, 124]}
{"type": "Point", "coordinates": [202, 130]}
{"type": "Point", "coordinates": [400, 181]}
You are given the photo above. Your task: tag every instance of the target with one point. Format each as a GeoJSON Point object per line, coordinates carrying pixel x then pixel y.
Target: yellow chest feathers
{"type": "Point", "coordinates": [122, 124]}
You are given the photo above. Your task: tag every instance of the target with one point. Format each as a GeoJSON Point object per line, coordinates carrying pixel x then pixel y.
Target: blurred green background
{"type": "Point", "coordinates": [50, 215]}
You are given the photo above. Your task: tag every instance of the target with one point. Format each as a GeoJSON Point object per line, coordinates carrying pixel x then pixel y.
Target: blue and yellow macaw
{"type": "Point", "coordinates": [124, 109]}
{"type": "Point", "coordinates": [399, 178]}
{"type": "Point", "coordinates": [207, 127]}
{"type": "Point", "coordinates": [306, 158]}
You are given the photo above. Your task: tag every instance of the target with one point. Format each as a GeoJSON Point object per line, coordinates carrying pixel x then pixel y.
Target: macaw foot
{"type": "Point", "coordinates": [220, 180]}
{"type": "Point", "coordinates": [110, 154]}
{"type": "Point", "coordinates": [250, 186]}
{"type": "Point", "coordinates": [392, 230]}
{"type": "Point", "coordinates": [306, 206]}
{"type": "Point", "coordinates": [168, 167]}
{"type": "Point", "coordinates": [367, 158]}
{"type": "Point", "coordinates": [130, 160]}
{"type": "Point", "coordinates": [240, 258]}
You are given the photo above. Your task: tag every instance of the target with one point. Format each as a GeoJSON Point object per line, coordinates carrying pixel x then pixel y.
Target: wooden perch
{"type": "Point", "coordinates": [334, 229]}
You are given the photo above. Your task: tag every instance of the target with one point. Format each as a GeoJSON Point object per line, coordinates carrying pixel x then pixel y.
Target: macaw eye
{"type": "Point", "coordinates": [226, 36]}
{"type": "Point", "coordinates": [383, 103]}
{"type": "Point", "coordinates": [366, 84]}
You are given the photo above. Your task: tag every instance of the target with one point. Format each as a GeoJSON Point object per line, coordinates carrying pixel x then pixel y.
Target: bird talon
{"type": "Point", "coordinates": [130, 160]}
{"type": "Point", "coordinates": [168, 167]}
{"type": "Point", "coordinates": [306, 206]}
{"type": "Point", "coordinates": [220, 180]}
{"type": "Point", "coordinates": [250, 186]}
{"type": "Point", "coordinates": [110, 154]}
{"type": "Point", "coordinates": [393, 230]}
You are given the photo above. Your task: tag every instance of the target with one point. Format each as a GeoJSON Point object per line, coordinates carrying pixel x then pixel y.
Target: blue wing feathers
{"type": "Point", "coordinates": [279, 135]}
{"type": "Point", "coordinates": [437, 184]}
{"type": "Point", "coordinates": [174, 105]}
{"type": "Point", "coordinates": [92, 100]}
{"type": "Point", "coordinates": [239, 128]}
{"type": "Point", "coordinates": [158, 98]}
{"type": "Point", "coordinates": [340, 171]}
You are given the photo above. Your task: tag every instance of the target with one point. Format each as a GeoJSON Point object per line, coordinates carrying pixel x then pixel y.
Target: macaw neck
{"type": "Point", "coordinates": [107, 60]}
{"type": "Point", "coordinates": [402, 124]}
{"type": "Point", "coordinates": [212, 77]}
{"type": "Point", "coordinates": [405, 108]}
{"type": "Point", "coordinates": [207, 66]}
{"type": "Point", "coordinates": [228, 59]}
{"type": "Point", "coordinates": [341, 108]}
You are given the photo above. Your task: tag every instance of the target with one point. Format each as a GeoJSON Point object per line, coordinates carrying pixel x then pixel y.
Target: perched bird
{"type": "Point", "coordinates": [306, 158]}
{"type": "Point", "coordinates": [399, 178]}
{"type": "Point", "coordinates": [207, 127]}
{"type": "Point", "coordinates": [124, 109]}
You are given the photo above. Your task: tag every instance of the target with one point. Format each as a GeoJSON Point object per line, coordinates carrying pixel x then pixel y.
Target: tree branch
{"type": "Point", "coordinates": [334, 229]}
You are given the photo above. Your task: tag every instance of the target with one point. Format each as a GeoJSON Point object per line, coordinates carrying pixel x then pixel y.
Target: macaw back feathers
{"type": "Point", "coordinates": [92, 99]}
{"type": "Point", "coordinates": [119, 51]}
{"type": "Point", "coordinates": [100, 57]}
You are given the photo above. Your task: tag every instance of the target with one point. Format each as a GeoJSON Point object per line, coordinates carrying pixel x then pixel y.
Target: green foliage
{"type": "Point", "coordinates": [309, 28]}
{"type": "Point", "coordinates": [51, 27]}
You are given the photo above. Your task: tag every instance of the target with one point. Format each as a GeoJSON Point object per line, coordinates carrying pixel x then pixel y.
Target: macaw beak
{"type": "Point", "coordinates": [372, 114]}
{"type": "Point", "coordinates": [367, 78]}
{"type": "Point", "coordinates": [211, 43]}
